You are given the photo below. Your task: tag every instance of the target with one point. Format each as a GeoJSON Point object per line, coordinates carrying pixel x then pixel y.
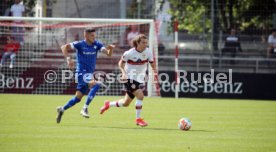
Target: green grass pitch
{"type": "Point", "coordinates": [27, 124]}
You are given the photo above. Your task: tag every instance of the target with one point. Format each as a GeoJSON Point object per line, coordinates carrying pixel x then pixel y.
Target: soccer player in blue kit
{"type": "Point", "coordinates": [86, 56]}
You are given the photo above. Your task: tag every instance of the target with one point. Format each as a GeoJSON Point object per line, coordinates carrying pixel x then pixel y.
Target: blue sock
{"type": "Point", "coordinates": [91, 94]}
{"type": "Point", "coordinates": [71, 103]}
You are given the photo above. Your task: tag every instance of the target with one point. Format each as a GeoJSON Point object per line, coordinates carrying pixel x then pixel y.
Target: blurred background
{"type": "Point", "coordinates": [212, 34]}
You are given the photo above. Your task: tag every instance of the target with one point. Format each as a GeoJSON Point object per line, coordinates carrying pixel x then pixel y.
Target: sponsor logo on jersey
{"type": "Point", "coordinates": [89, 53]}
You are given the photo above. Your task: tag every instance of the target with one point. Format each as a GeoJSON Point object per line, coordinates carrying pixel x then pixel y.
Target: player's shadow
{"type": "Point", "coordinates": [148, 128]}
{"type": "Point", "coordinates": [142, 128]}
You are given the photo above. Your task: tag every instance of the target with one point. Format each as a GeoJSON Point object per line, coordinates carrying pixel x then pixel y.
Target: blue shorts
{"type": "Point", "coordinates": [83, 80]}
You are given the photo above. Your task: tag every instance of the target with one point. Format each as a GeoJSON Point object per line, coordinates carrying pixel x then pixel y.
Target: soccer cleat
{"type": "Point", "coordinates": [11, 66]}
{"type": "Point", "coordinates": [60, 113]}
{"type": "Point", "coordinates": [105, 107]}
{"type": "Point", "coordinates": [84, 113]}
{"type": "Point", "coordinates": [141, 122]}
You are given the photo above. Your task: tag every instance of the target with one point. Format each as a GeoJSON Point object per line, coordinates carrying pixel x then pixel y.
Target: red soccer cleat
{"type": "Point", "coordinates": [141, 122]}
{"type": "Point", "coordinates": [105, 107]}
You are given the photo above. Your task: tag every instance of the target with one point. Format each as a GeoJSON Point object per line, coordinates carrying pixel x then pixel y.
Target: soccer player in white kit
{"type": "Point", "coordinates": [133, 66]}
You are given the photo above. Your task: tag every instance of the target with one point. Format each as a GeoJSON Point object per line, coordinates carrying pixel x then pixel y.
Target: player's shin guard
{"type": "Point", "coordinates": [91, 94]}
{"type": "Point", "coordinates": [138, 106]}
{"type": "Point", "coordinates": [71, 103]}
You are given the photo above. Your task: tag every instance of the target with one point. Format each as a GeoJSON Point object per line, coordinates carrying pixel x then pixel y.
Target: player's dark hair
{"type": "Point", "coordinates": [89, 30]}
{"type": "Point", "coordinates": [138, 39]}
{"type": "Point", "coordinates": [273, 30]}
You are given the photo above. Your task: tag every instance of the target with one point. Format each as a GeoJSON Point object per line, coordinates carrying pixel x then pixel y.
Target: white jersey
{"type": "Point", "coordinates": [136, 63]}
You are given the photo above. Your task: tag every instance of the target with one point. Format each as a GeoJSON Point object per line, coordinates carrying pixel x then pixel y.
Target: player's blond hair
{"type": "Point", "coordinates": [138, 39]}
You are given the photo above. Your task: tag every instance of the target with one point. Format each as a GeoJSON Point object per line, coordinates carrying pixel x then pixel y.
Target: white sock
{"type": "Point", "coordinates": [138, 106]}
{"type": "Point", "coordinates": [116, 104]}
{"type": "Point", "coordinates": [85, 106]}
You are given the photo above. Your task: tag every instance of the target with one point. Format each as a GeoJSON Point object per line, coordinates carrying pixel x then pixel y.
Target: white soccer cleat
{"type": "Point", "coordinates": [11, 66]}
{"type": "Point", "coordinates": [59, 114]}
{"type": "Point", "coordinates": [84, 113]}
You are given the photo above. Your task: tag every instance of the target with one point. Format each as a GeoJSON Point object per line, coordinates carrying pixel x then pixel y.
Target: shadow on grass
{"type": "Point", "coordinates": [145, 128]}
{"type": "Point", "coordinates": [149, 128]}
{"type": "Point", "coordinates": [139, 128]}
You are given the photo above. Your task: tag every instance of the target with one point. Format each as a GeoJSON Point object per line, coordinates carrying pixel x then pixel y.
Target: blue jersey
{"type": "Point", "coordinates": [86, 55]}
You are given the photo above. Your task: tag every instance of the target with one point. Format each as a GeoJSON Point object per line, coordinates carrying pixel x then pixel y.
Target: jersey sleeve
{"type": "Point", "coordinates": [100, 46]}
{"type": "Point", "coordinates": [150, 57]}
{"type": "Point", "coordinates": [125, 57]}
{"type": "Point", "coordinates": [75, 45]}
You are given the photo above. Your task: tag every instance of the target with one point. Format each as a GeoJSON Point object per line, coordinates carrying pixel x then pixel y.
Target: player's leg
{"type": "Point", "coordinates": [138, 106]}
{"type": "Point", "coordinates": [60, 110]}
{"type": "Point", "coordinates": [76, 99]}
{"type": "Point", "coordinates": [12, 56]}
{"type": "Point", "coordinates": [5, 55]}
{"type": "Point", "coordinates": [94, 87]}
{"type": "Point", "coordinates": [123, 102]}
{"type": "Point", "coordinates": [82, 88]}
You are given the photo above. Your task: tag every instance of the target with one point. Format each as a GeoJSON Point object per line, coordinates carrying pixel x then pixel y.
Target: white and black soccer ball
{"type": "Point", "coordinates": [184, 124]}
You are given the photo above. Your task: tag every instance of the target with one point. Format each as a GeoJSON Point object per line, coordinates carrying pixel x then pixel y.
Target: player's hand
{"type": "Point", "coordinates": [110, 50]}
{"type": "Point", "coordinates": [110, 47]}
{"type": "Point", "coordinates": [124, 78]}
{"type": "Point", "coordinates": [70, 63]}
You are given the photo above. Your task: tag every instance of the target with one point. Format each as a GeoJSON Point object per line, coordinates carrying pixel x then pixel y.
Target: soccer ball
{"type": "Point", "coordinates": [184, 124]}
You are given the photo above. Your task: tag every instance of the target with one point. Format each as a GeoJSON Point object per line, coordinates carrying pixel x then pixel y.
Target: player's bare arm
{"type": "Point", "coordinates": [153, 66]}
{"type": "Point", "coordinates": [121, 67]}
{"type": "Point", "coordinates": [65, 48]}
{"type": "Point", "coordinates": [109, 50]}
